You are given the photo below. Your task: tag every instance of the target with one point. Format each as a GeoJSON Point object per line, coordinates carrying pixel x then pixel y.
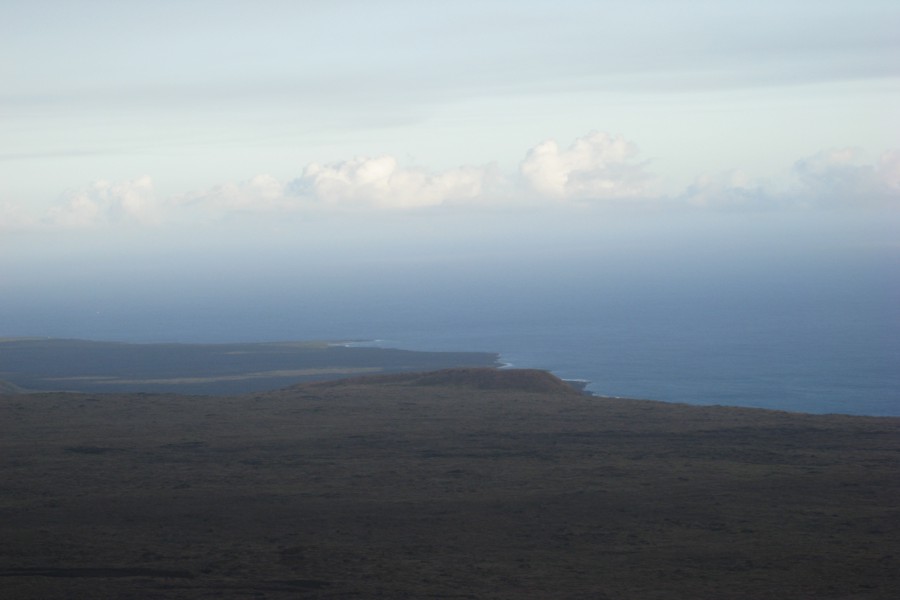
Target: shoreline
{"type": "Point", "coordinates": [222, 369]}
{"type": "Point", "coordinates": [96, 367]}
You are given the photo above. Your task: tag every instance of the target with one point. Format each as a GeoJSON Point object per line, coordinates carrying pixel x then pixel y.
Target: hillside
{"type": "Point", "coordinates": [466, 483]}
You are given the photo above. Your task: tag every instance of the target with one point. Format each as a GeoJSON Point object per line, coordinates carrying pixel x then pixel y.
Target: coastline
{"type": "Point", "coordinates": [57, 365]}
{"type": "Point", "coordinates": [242, 367]}
{"type": "Point", "coordinates": [580, 385]}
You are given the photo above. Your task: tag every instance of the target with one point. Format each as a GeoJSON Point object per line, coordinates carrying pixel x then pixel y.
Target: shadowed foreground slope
{"type": "Point", "coordinates": [455, 484]}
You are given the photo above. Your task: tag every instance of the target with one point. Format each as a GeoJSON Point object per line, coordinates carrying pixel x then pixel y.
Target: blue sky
{"type": "Point", "coordinates": [178, 130]}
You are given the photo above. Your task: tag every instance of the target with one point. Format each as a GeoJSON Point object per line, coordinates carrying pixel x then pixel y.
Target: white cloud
{"type": "Point", "coordinates": [840, 177]}
{"type": "Point", "coordinates": [12, 217]}
{"type": "Point", "coordinates": [596, 166]}
{"type": "Point", "coordinates": [104, 202]}
{"type": "Point", "coordinates": [888, 170]}
{"type": "Point", "coordinates": [363, 183]}
{"type": "Point", "coordinates": [381, 182]}
{"type": "Point", "coordinates": [731, 189]}
{"type": "Point", "coordinates": [831, 178]}
{"type": "Point", "coordinates": [262, 193]}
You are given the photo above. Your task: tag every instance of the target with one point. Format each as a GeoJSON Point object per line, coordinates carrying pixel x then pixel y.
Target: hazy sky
{"type": "Point", "coordinates": [415, 129]}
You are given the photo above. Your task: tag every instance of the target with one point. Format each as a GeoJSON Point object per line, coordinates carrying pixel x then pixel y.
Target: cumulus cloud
{"type": "Point", "coordinates": [888, 170]}
{"type": "Point", "coordinates": [729, 190]}
{"type": "Point", "coordinates": [262, 193]}
{"type": "Point", "coordinates": [13, 217]}
{"type": "Point", "coordinates": [360, 183]}
{"type": "Point", "coordinates": [596, 166]}
{"type": "Point", "coordinates": [381, 182]}
{"type": "Point", "coordinates": [831, 178]}
{"type": "Point", "coordinates": [840, 177]}
{"type": "Point", "coordinates": [104, 202]}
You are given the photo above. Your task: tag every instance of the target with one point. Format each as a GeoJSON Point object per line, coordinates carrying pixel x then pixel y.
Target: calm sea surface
{"type": "Point", "coordinates": [797, 340]}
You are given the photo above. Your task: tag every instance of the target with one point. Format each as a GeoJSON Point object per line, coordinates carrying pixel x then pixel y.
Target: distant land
{"type": "Point", "coordinates": [47, 364]}
{"type": "Point", "coordinates": [459, 483]}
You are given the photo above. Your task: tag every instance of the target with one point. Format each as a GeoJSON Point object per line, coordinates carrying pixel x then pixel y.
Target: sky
{"type": "Point", "coordinates": [238, 138]}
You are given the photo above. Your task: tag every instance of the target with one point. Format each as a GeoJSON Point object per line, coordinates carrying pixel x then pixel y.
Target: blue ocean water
{"type": "Point", "coordinates": [797, 314]}
{"type": "Point", "coordinates": [817, 340]}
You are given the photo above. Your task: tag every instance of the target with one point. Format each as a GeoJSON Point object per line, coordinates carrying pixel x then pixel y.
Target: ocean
{"type": "Point", "coordinates": [805, 341]}
{"type": "Point", "coordinates": [790, 317]}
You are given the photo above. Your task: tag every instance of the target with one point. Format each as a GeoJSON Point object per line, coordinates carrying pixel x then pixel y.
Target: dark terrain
{"type": "Point", "coordinates": [472, 483]}
{"type": "Point", "coordinates": [55, 365]}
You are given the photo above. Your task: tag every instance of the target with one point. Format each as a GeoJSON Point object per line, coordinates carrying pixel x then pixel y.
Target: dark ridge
{"type": "Point", "coordinates": [309, 584]}
{"type": "Point", "coordinates": [92, 449]}
{"type": "Point", "coordinates": [10, 388]}
{"type": "Point", "coordinates": [423, 486]}
{"type": "Point", "coordinates": [580, 385]}
{"type": "Point", "coordinates": [103, 572]}
{"type": "Point", "coordinates": [212, 369]}
{"type": "Point", "coordinates": [525, 380]}
{"type": "Point", "coordinates": [522, 380]}
{"type": "Point", "coordinates": [388, 378]}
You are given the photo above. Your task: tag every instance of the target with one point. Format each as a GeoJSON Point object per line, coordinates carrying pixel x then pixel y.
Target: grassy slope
{"type": "Point", "coordinates": [457, 484]}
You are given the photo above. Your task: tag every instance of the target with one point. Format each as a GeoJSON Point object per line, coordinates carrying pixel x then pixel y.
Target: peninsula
{"type": "Point", "coordinates": [47, 364]}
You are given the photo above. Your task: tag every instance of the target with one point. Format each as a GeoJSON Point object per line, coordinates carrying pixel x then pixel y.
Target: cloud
{"type": "Point", "coordinates": [103, 202]}
{"type": "Point", "coordinates": [13, 218]}
{"type": "Point", "coordinates": [381, 182]}
{"type": "Point", "coordinates": [840, 177]}
{"type": "Point", "coordinates": [262, 193]}
{"type": "Point", "coordinates": [836, 178]}
{"type": "Point", "coordinates": [728, 190]}
{"type": "Point", "coordinates": [888, 170]}
{"type": "Point", "coordinates": [359, 184]}
{"type": "Point", "coordinates": [595, 167]}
